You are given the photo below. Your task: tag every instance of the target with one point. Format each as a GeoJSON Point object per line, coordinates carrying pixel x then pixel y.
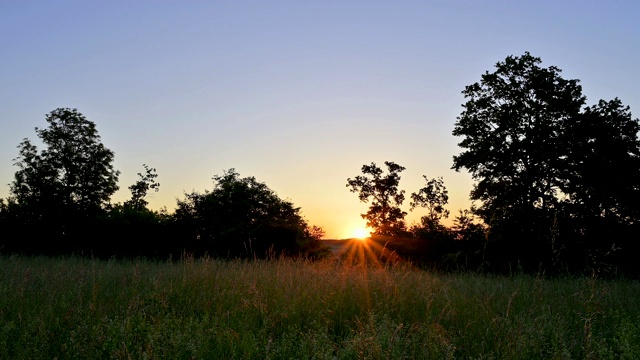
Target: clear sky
{"type": "Point", "coordinates": [299, 94]}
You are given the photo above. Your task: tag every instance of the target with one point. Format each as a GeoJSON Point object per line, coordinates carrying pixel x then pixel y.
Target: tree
{"type": "Point", "coordinates": [131, 229]}
{"type": "Point", "coordinates": [551, 175]}
{"type": "Point", "coordinates": [242, 217]}
{"type": "Point", "coordinates": [603, 177]}
{"type": "Point", "coordinates": [512, 128]}
{"type": "Point", "coordinates": [384, 216]}
{"type": "Point", "coordinates": [467, 228]}
{"type": "Point", "coordinates": [603, 180]}
{"type": "Point", "coordinates": [71, 179]}
{"type": "Point", "coordinates": [139, 190]}
{"type": "Point", "coordinates": [434, 196]}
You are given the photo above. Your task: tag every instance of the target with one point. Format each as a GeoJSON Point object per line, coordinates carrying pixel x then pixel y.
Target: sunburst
{"type": "Point", "coordinates": [361, 233]}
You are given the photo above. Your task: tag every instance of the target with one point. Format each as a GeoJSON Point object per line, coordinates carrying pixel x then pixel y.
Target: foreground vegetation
{"type": "Point", "coordinates": [82, 308]}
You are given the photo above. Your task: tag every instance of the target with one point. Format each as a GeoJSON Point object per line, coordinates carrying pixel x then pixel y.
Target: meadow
{"type": "Point", "coordinates": [80, 308]}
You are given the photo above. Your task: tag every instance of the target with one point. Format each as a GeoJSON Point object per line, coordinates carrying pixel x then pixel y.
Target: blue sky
{"type": "Point", "coordinates": [299, 94]}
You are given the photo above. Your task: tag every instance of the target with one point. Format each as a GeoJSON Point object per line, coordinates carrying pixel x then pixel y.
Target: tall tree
{"type": "Point", "coordinates": [384, 216]}
{"type": "Point", "coordinates": [512, 127]}
{"type": "Point", "coordinates": [604, 165]}
{"type": "Point", "coordinates": [552, 175]}
{"type": "Point", "coordinates": [603, 184]}
{"type": "Point", "coordinates": [72, 177]}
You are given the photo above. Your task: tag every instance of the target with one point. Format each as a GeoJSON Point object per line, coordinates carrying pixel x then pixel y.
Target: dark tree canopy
{"type": "Point", "coordinates": [433, 196]}
{"type": "Point", "coordinates": [60, 204]}
{"type": "Point", "coordinates": [556, 180]}
{"type": "Point", "coordinates": [603, 185]}
{"type": "Point", "coordinates": [243, 217]}
{"type": "Point", "coordinates": [384, 216]}
{"type": "Point", "coordinates": [59, 191]}
{"type": "Point", "coordinates": [603, 177]}
{"type": "Point", "coordinates": [73, 172]}
{"type": "Point", "coordinates": [139, 190]}
{"type": "Point", "coordinates": [512, 127]}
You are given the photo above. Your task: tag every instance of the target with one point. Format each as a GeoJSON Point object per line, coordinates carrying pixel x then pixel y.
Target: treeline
{"type": "Point", "coordinates": [557, 190]}
{"type": "Point", "coordinates": [60, 205]}
{"type": "Point", "coordinates": [557, 183]}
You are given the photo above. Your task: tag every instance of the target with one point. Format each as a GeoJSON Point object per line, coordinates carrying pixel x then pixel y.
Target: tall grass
{"type": "Point", "coordinates": [75, 308]}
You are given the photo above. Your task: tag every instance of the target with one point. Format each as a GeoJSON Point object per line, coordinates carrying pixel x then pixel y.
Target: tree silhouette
{"type": "Point", "coordinates": [70, 180]}
{"type": "Point", "coordinates": [434, 196]}
{"type": "Point", "coordinates": [75, 168]}
{"type": "Point", "coordinates": [131, 229]}
{"type": "Point", "coordinates": [242, 217]}
{"type": "Point", "coordinates": [384, 216]}
{"type": "Point", "coordinates": [604, 167]}
{"type": "Point", "coordinates": [551, 176]}
{"type": "Point", "coordinates": [603, 181]}
{"type": "Point", "coordinates": [511, 126]}
{"type": "Point", "coordinates": [139, 190]}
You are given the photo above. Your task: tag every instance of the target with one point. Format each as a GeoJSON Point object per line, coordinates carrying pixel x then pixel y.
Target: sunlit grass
{"type": "Point", "coordinates": [358, 306]}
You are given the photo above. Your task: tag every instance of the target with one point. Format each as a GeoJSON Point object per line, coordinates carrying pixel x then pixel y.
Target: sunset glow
{"type": "Point", "coordinates": [298, 95]}
{"type": "Point", "coordinates": [361, 233]}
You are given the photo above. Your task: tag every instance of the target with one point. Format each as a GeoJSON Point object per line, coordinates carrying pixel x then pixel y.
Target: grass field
{"type": "Point", "coordinates": [75, 308]}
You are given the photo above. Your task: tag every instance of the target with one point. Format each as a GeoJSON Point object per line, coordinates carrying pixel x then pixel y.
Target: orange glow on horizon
{"type": "Point", "coordinates": [360, 233]}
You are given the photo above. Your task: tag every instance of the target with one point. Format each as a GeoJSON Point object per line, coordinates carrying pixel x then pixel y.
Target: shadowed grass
{"type": "Point", "coordinates": [210, 309]}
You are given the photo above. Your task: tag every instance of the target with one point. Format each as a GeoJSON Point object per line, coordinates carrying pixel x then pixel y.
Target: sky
{"type": "Point", "coordinates": [298, 94]}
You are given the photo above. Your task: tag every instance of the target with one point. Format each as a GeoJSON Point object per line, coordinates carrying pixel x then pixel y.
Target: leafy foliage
{"type": "Point", "coordinates": [554, 180]}
{"type": "Point", "coordinates": [74, 172]}
{"type": "Point", "coordinates": [437, 238]}
{"type": "Point", "coordinates": [434, 196]}
{"type": "Point", "coordinates": [131, 229]}
{"type": "Point", "coordinates": [60, 204]}
{"type": "Point", "coordinates": [603, 183]}
{"type": "Point", "coordinates": [242, 217]}
{"type": "Point", "coordinates": [59, 191]}
{"type": "Point", "coordinates": [384, 215]}
{"type": "Point", "coordinates": [604, 171]}
{"type": "Point", "coordinates": [140, 189]}
{"type": "Point", "coordinates": [512, 127]}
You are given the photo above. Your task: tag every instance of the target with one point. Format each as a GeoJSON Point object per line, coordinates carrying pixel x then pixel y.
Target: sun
{"type": "Point", "coordinates": [361, 233]}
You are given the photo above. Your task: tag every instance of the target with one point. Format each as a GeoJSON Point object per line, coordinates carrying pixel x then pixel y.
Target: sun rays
{"type": "Point", "coordinates": [367, 252]}
{"type": "Point", "coordinates": [365, 258]}
{"type": "Point", "coordinates": [360, 233]}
